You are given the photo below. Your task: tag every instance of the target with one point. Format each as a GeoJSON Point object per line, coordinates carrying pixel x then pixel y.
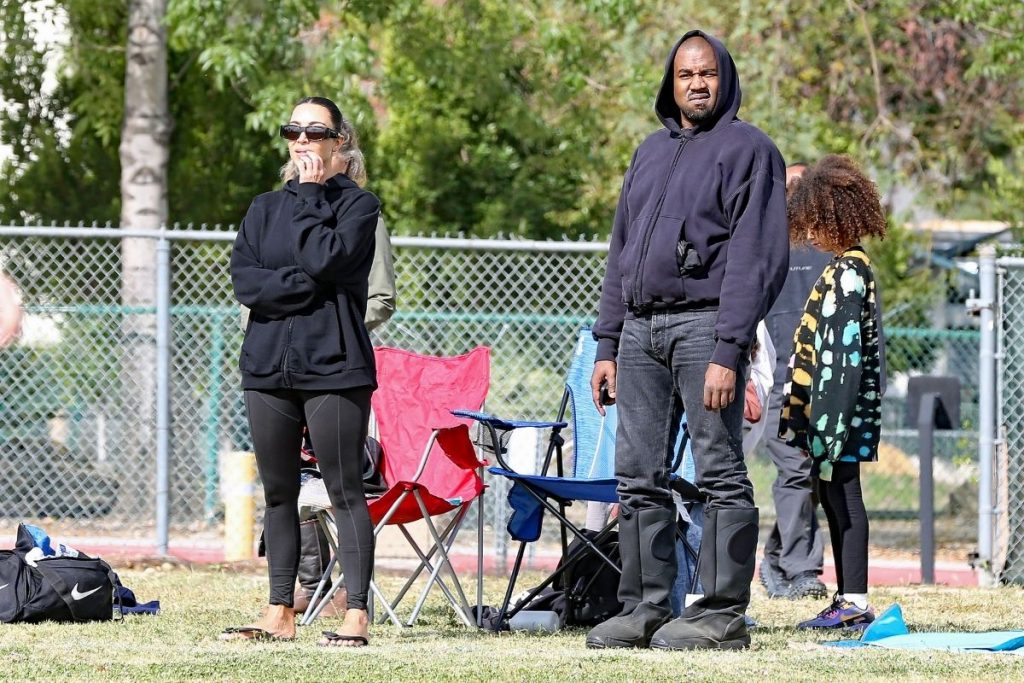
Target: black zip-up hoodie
{"type": "Point", "coordinates": [300, 263]}
{"type": "Point", "coordinates": [721, 187]}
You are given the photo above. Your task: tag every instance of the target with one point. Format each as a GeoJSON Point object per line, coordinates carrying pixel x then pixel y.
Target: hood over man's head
{"type": "Point", "coordinates": [700, 87]}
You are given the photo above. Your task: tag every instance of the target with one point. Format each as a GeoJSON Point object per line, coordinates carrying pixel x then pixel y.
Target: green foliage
{"type": "Point", "coordinates": [491, 117]}
{"type": "Point", "coordinates": [65, 165]}
{"type": "Point", "coordinates": [1001, 56]}
{"type": "Point", "coordinates": [910, 292]}
{"type": "Point", "coordinates": [484, 134]}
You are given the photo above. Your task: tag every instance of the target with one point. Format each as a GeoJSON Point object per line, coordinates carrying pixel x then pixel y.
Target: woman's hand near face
{"type": "Point", "coordinates": [311, 168]}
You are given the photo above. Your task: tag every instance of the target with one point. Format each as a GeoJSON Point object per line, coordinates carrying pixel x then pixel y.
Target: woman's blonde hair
{"type": "Point", "coordinates": [351, 157]}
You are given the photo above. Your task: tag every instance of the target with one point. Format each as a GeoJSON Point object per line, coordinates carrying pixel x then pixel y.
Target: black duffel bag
{"type": "Point", "coordinates": [56, 589]}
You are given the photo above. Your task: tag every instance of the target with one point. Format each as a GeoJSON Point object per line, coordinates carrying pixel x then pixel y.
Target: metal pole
{"type": "Point", "coordinates": [213, 402]}
{"type": "Point", "coordinates": [986, 409]}
{"type": "Point", "coordinates": [926, 439]}
{"type": "Point", "coordinates": [163, 386]}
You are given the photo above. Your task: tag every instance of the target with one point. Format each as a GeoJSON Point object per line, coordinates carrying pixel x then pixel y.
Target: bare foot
{"type": "Point", "coordinates": [354, 631]}
{"type": "Point", "coordinates": [276, 623]}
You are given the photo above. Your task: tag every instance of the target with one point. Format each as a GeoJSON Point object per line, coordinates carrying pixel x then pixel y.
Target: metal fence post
{"type": "Point", "coordinates": [926, 432]}
{"type": "Point", "coordinates": [213, 418]}
{"type": "Point", "coordinates": [163, 389]}
{"type": "Point", "coordinates": [986, 409]}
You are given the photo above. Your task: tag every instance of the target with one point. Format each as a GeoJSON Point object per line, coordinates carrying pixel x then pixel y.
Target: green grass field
{"type": "Point", "coordinates": [181, 643]}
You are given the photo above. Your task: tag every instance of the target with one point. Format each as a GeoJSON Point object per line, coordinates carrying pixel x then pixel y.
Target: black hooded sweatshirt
{"type": "Point", "coordinates": [300, 263]}
{"type": "Point", "coordinates": [720, 187]}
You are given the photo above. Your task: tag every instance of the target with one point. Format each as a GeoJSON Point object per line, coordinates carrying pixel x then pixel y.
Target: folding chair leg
{"type": "Point", "coordinates": [464, 611]}
{"type": "Point", "coordinates": [449, 540]}
{"type": "Point", "coordinates": [512, 582]}
{"type": "Point", "coordinates": [565, 542]}
{"type": "Point", "coordinates": [480, 557]}
{"type": "Point", "coordinates": [423, 561]}
{"type": "Point", "coordinates": [314, 602]}
{"type": "Point", "coordinates": [576, 531]}
{"type": "Point", "coordinates": [375, 591]}
{"type": "Point", "coordinates": [695, 554]}
{"type": "Point", "coordinates": [317, 604]}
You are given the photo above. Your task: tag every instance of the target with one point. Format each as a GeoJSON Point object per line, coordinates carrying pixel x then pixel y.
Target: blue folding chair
{"type": "Point", "coordinates": [591, 479]}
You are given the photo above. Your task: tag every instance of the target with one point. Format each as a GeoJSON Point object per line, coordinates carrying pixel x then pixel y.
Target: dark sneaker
{"type": "Point", "coordinates": [773, 580]}
{"type": "Point", "coordinates": [807, 585]}
{"type": "Point", "coordinates": [840, 614]}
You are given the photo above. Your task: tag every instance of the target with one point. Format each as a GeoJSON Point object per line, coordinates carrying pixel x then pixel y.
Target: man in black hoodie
{"type": "Point", "coordinates": [699, 252]}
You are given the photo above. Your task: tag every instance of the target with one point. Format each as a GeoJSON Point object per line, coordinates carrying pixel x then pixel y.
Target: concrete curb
{"type": "Point", "coordinates": [882, 572]}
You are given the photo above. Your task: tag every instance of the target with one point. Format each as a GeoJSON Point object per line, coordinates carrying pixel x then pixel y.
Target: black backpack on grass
{"type": "Point", "coordinates": [590, 596]}
{"type": "Point", "coordinates": [56, 589]}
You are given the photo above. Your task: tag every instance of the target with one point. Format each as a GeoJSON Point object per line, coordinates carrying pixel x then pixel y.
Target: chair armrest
{"type": "Point", "coordinates": [506, 425]}
{"type": "Point", "coordinates": [456, 444]}
{"type": "Point", "coordinates": [499, 430]}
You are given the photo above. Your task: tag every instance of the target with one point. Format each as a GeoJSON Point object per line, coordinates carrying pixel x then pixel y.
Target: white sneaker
{"type": "Point", "coordinates": [313, 494]}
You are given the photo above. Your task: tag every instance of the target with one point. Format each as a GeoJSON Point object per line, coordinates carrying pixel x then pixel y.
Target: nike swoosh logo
{"type": "Point", "coordinates": [76, 595]}
{"type": "Point", "coordinates": [4, 586]}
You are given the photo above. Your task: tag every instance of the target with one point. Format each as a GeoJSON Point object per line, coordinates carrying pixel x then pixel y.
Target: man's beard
{"type": "Point", "coordinates": [697, 116]}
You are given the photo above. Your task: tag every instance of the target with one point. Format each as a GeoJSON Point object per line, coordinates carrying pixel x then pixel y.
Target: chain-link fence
{"type": "Point", "coordinates": [79, 428]}
{"type": "Point", "coordinates": [1008, 501]}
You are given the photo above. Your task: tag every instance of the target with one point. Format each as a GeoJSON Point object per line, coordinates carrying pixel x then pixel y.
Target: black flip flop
{"type": "Point", "coordinates": [333, 637]}
{"type": "Point", "coordinates": [248, 633]}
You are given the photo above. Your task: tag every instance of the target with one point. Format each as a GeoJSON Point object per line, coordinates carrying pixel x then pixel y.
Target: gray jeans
{"type": "Point", "coordinates": [661, 364]}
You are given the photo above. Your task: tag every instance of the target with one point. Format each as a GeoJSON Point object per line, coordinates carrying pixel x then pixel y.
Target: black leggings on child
{"type": "Point", "coordinates": [847, 525]}
{"type": "Point", "coordinates": [337, 424]}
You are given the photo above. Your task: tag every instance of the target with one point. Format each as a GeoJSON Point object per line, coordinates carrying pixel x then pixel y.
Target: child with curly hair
{"type": "Point", "coordinates": [832, 406]}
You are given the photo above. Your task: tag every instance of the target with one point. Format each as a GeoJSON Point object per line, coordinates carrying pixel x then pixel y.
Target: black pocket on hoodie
{"type": "Point", "coordinates": [262, 347]}
{"type": "Point", "coordinates": [317, 342]}
{"type": "Point", "coordinates": [687, 259]}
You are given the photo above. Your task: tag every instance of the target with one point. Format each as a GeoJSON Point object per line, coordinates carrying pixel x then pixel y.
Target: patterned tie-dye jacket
{"type": "Point", "coordinates": [832, 407]}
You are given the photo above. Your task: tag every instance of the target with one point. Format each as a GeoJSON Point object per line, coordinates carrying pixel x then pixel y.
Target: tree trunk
{"type": "Point", "coordinates": [144, 152]}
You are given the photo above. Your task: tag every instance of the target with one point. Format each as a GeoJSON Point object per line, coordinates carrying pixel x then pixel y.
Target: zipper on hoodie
{"type": "Point", "coordinates": [284, 356]}
{"type": "Point", "coordinates": [649, 232]}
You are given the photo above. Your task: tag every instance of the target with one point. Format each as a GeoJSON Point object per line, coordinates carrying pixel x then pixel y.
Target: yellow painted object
{"type": "Point", "coordinates": [238, 490]}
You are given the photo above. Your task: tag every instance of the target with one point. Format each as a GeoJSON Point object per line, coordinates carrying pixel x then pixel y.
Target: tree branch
{"type": "Point", "coordinates": [875, 70]}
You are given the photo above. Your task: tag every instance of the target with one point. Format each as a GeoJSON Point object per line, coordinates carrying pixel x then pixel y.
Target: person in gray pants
{"type": "Point", "coordinates": [792, 559]}
{"type": "Point", "coordinates": [793, 552]}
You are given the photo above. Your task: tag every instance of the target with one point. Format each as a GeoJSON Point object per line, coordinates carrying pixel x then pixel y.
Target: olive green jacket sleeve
{"type": "Point", "coordinates": [381, 295]}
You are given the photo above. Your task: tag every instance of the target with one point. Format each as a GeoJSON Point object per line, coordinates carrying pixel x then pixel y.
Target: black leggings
{"type": "Point", "coordinates": [337, 424]}
{"type": "Point", "coordinates": [847, 525]}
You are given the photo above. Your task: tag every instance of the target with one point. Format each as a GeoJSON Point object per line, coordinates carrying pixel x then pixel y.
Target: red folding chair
{"type": "Point", "coordinates": [430, 467]}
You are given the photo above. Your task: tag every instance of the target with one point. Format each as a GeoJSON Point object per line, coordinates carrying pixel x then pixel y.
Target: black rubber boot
{"type": "Point", "coordinates": [715, 621]}
{"type": "Point", "coordinates": [647, 549]}
{"type": "Point", "coordinates": [314, 554]}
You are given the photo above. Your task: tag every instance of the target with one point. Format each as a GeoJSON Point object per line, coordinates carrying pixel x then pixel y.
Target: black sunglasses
{"type": "Point", "coordinates": [313, 133]}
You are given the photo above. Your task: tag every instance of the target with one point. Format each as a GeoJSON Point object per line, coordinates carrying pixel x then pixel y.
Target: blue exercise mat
{"type": "Point", "coordinates": [889, 630]}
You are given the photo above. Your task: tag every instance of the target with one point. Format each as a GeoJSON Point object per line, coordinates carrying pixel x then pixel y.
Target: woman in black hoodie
{"type": "Point", "coordinates": [300, 263]}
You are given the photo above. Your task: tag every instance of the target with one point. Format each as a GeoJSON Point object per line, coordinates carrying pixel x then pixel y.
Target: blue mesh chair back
{"type": "Point", "coordinates": [594, 434]}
